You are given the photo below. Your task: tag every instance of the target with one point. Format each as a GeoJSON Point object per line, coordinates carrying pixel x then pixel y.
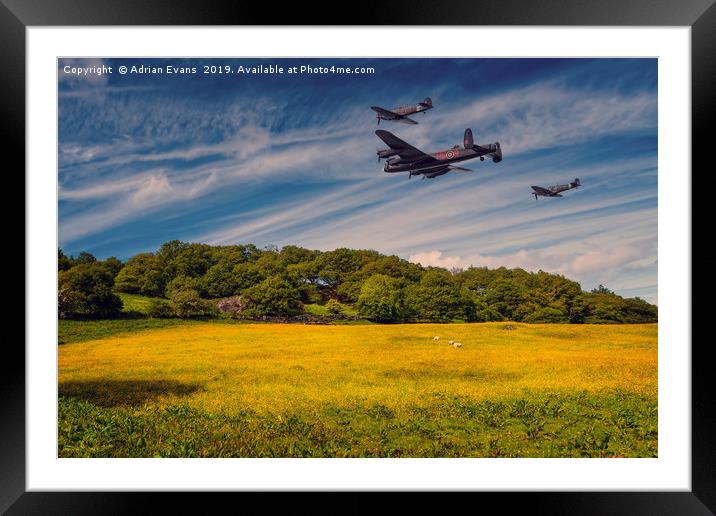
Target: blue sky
{"type": "Point", "coordinates": [290, 159]}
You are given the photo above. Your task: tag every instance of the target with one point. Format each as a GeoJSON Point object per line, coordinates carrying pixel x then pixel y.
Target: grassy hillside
{"type": "Point", "coordinates": [208, 389]}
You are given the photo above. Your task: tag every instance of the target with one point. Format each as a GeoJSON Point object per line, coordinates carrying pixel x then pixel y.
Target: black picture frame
{"type": "Point", "coordinates": [700, 15]}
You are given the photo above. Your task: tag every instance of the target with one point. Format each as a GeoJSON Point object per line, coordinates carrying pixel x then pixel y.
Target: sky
{"type": "Point", "coordinates": [278, 159]}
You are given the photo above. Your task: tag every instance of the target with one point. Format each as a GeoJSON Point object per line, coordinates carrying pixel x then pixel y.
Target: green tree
{"type": "Point", "coordinates": [273, 296]}
{"type": "Point", "coordinates": [64, 262]}
{"type": "Point", "coordinates": [113, 264]}
{"type": "Point", "coordinates": [439, 298]}
{"type": "Point", "coordinates": [220, 280]}
{"type": "Point", "coordinates": [545, 314]}
{"type": "Point", "coordinates": [181, 283]}
{"type": "Point", "coordinates": [394, 267]}
{"type": "Point", "coordinates": [380, 299]}
{"type": "Point", "coordinates": [604, 308]}
{"type": "Point", "coordinates": [143, 274]}
{"type": "Point", "coordinates": [636, 311]}
{"type": "Point", "coordinates": [291, 255]}
{"type": "Point", "coordinates": [247, 275]}
{"type": "Point", "coordinates": [85, 290]}
{"type": "Point", "coordinates": [335, 266]}
{"type": "Point", "coordinates": [505, 296]}
{"type": "Point", "coordinates": [85, 257]}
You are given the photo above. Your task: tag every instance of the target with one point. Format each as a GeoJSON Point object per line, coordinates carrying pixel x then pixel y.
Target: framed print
{"type": "Point", "coordinates": [454, 260]}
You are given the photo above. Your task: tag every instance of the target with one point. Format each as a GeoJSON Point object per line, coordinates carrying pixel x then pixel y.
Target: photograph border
{"type": "Point", "coordinates": [15, 16]}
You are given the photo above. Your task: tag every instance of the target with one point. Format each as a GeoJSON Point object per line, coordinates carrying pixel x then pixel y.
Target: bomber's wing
{"type": "Point", "coordinates": [542, 191]}
{"type": "Point", "coordinates": [386, 113]}
{"type": "Point", "coordinates": [406, 120]}
{"type": "Point", "coordinates": [406, 151]}
{"type": "Point", "coordinates": [438, 171]}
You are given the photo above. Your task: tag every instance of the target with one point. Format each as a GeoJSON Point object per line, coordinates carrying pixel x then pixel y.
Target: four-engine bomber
{"type": "Point", "coordinates": [403, 157]}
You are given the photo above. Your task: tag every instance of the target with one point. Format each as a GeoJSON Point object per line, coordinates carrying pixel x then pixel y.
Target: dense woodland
{"type": "Point", "coordinates": [242, 281]}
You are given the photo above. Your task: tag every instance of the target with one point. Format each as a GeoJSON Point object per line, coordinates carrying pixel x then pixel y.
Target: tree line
{"type": "Point", "coordinates": [199, 280]}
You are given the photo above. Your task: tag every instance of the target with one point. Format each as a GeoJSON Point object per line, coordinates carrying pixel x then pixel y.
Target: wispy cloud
{"type": "Point", "coordinates": [301, 168]}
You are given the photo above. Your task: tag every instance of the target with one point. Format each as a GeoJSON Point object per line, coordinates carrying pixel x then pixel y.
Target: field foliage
{"type": "Point", "coordinates": [206, 389]}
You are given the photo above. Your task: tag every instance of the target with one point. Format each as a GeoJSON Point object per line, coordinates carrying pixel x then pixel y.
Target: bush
{"type": "Point", "coordinates": [333, 306]}
{"type": "Point", "coordinates": [85, 290]}
{"type": "Point", "coordinates": [159, 308]}
{"type": "Point", "coordinates": [188, 304]}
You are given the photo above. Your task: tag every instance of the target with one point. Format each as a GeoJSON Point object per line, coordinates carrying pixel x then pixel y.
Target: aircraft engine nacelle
{"type": "Point", "coordinates": [386, 153]}
{"type": "Point", "coordinates": [468, 141]}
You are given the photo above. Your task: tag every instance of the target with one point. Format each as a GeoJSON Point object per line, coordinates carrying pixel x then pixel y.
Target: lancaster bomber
{"type": "Point", "coordinates": [403, 157]}
{"type": "Point", "coordinates": [400, 114]}
{"type": "Point", "coordinates": [554, 191]}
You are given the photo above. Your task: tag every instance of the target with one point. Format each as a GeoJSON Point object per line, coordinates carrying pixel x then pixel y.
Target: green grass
{"type": "Point", "coordinates": [79, 331]}
{"type": "Point", "coordinates": [134, 303]}
{"type": "Point", "coordinates": [315, 309]}
{"type": "Point", "coordinates": [617, 424]}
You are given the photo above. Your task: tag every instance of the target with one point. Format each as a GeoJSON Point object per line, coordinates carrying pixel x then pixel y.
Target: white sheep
{"type": "Point", "coordinates": [436, 338]}
{"type": "Point", "coordinates": [457, 344]}
{"type": "Point", "coordinates": [451, 342]}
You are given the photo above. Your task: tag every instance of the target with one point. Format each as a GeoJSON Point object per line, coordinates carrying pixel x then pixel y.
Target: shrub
{"type": "Point", "coordinates": [159, 308]}
{"type": "Point", "coordinates": [188, 304]}
{"type": "Point", "coordinates": [85, 290]}
{"type": "Point", "coordinates": [334, 306]}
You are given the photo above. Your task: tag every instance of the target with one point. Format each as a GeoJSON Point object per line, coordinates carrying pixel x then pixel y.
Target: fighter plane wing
{"type": "Point", "coordinates": [406, 120]}
{"type": "Point", "coordinates": [406, 151]}
{"type": "Point", "coordinates": [542, 191]}
{"type": "Point", "coordinates": [386, 113]}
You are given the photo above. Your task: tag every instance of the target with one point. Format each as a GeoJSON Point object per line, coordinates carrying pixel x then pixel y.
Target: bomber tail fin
{"type": "Point", "coordinates": [468, 141]}
{"type": "Point", "coordinates": [427, 102]}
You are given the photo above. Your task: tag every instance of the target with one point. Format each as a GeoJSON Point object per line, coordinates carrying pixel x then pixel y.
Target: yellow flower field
{"type": "Point", "coordinates": [370, 390]}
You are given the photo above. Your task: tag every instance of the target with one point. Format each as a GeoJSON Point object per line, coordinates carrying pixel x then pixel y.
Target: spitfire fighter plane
{"type": "Point", "coordinates": [554, 191]}
{"type": "Point", "coordinates": [400, 114]}
{"type": "Point", "coordinates": [403, 157]}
